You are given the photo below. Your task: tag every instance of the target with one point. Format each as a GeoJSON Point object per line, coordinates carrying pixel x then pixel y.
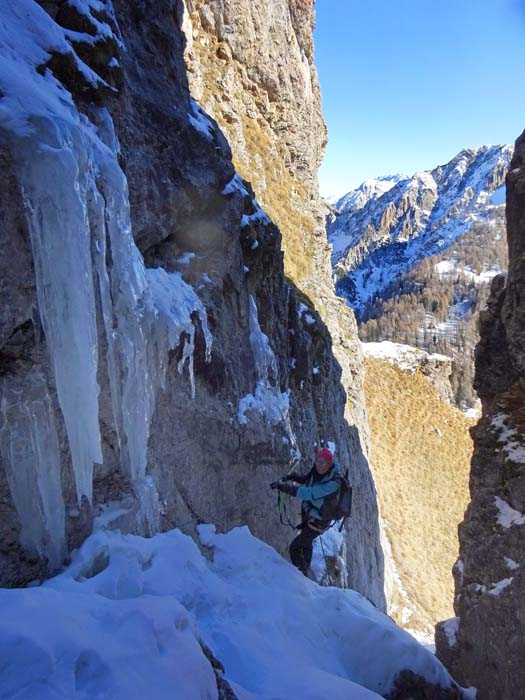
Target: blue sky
{"type": "Point", "coordinates": [407, 84]}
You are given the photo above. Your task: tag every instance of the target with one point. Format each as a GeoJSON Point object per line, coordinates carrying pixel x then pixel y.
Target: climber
{"type": "Point", "coordinates": [317, 490]}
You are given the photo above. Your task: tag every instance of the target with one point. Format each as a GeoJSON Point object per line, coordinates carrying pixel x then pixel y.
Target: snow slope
{"type": "Point", "coordinates": [405, 357]}
{"type": "Point", "coordinates": [125, 619]}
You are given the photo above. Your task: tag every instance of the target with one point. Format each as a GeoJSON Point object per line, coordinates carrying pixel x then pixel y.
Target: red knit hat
{"type": "Point", "coordinates": [326, 454]}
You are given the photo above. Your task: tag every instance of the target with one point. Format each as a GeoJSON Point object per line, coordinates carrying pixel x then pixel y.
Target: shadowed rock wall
{"type": "Point", "coordinates": [484, 645]}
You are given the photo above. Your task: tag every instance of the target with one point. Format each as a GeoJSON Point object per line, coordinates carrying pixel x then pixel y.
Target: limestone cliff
{"type": "Point", "coordinates": [154, 355]}
{"type": "Point", "coordinates": [484, 644]}
{"type": "Point", "coordinates": [420, 458]}
{"type": "Point", "coordinates": [251, 66]}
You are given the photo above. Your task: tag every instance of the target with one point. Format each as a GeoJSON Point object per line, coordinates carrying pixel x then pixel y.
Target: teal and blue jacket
{"type": "Point", "coordinates": [314, 494]}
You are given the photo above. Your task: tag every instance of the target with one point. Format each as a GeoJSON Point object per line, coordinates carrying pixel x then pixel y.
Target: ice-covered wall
{"type": "Point", "coordinates": [75, 196]}
{"type": "Point", "coordinates": [174, 369]}
{"type": "Point", "coordinates": [29, 447]}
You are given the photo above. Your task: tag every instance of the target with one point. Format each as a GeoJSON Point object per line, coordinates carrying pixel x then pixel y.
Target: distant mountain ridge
{"type": "Point", "coordinates": [368, 190]}
{"type": "Point", "coordinates": [387, 225]}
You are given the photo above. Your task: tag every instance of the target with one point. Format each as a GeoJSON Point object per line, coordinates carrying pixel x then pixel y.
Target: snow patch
{"type": "Point", "coordinates": [200, 120]}
{"type": "Point", "coordinates": [451, 628]}
{"type": "Point", "coordinates": [304, 313]}
{"type": "Point", "coordinates": [511, 564]}
{"type": "Point", "coordinates": [500, 586]}
{"type": "Point", "coordinates": [473, 413]}
{"type": "Point", "coordinates": [507, 516]}
{"type": "Point", "coordinates": [258, 216]}
{"type": "Point", "coordinates": [125, 619]}
{"type": "Point", "coordinates": [445, 267]}
{"type": "Point", "coordinates": [405, 357]}
{"type": "Point", "coordinates": [514, 449]}
{"type": "Point", "coordinates": [185, 258]}
{"type": "Point", "coordinates": [448, 268]}
{"type": "Point", "coordinates": [235, 185]}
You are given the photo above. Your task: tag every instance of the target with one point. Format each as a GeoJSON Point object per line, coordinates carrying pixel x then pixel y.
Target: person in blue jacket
{"type": "Point", "coordinates": [317, 490]}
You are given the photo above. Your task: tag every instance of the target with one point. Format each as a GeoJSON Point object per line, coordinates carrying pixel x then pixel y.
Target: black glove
{"type": "Point", "coordinates": [275, 484]}
{"type": "Point", "coordinates": [293, 476]}
{"type": "Point", "coordinates": [290, 489]}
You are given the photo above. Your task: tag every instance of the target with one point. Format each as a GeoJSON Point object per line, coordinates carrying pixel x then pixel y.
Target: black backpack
{"type": "Point", "coordinates": [339, 504]}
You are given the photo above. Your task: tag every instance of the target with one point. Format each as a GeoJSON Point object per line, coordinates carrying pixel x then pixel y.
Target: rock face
{"type": "Point", "coordinates": [385, 227]}
{"type": "Point", "coordinates": [484, 644]}
{"type": "Point", "coordinates": [250, 65]}
{"type": "Point", "coordinates": [154, 356]}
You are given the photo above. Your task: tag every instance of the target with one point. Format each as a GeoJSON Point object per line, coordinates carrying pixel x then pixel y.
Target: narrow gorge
{"type": "Point", "coordinates": [177, 332]}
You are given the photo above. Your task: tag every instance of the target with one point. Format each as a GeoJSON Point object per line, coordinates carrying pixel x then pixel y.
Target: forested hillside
{"type": "Point", "coordinates": [435, 305]}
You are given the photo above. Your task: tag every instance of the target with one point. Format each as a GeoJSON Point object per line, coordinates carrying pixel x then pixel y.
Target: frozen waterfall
{"type": "Point", "coordinates": [78, 213]}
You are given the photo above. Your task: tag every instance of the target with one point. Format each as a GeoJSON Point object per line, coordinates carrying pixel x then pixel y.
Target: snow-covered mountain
{"type": "Point", "coordinates": [366, 192]}
{"type": "Point", "coordinates": [386, 226]}
{"type": "Point", "coordinates": [134, 618]}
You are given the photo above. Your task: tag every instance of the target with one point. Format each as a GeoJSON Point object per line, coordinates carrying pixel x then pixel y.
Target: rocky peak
{"type": "Point", "coordinates": [416, 218]}
{"type": "Point", "coordinates": [368, 190]}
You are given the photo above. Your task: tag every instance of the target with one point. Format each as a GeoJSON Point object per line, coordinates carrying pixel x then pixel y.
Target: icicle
{"type": "Point", "coordinates": [29, 446]}
{"type": "Point", "coordinates": [267, 399]}
{"type": "Point", "coordinates": [97, 223]}
{"type": "Point", "coordinates": [148, 516]}
{"type": "Point", "coordinates": [53, 164]}
{"type": "Point", "coordinates": [77, 203]}
{"type": "Point", "coordinates": [263, 355]}
{"type": "Point", "coordinates": [187, 355]}
{"type": "Point", "coordinates": [146, 311]}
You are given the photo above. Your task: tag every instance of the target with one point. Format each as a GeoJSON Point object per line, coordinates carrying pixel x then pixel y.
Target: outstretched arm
{"type": "Point", "coordinates": [290, 489]}
{"type": "Point", "coordinates": [295, 476]}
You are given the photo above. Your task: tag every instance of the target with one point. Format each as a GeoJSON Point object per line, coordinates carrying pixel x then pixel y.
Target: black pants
{"type": "Point", "coordinates": [301, 548]}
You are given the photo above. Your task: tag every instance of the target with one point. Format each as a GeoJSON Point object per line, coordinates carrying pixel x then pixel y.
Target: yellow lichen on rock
{"type": "Point", "coordinates": [263, 111]}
